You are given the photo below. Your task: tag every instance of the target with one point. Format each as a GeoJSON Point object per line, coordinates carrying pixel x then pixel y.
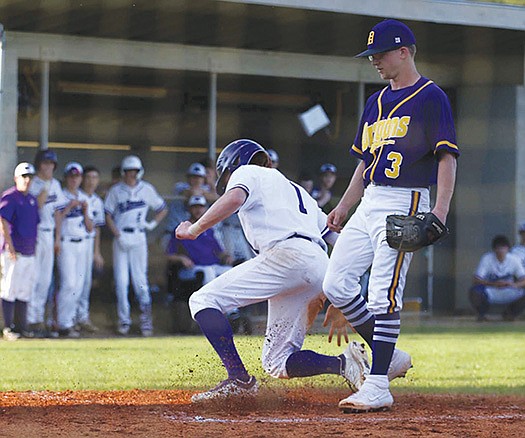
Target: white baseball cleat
{"type": "Point", "coordinates": [399, 365]}
{"type": "Point", "coordinates": [356, 366]}
{"type": "Point", "coordinates": [369, 398]}
{"type": "Point", "coordinates": [229, 388]}
{"type": "Point", "coordinates": [9, 335]}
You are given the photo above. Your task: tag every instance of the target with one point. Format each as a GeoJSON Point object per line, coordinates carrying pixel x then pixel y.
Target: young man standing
{"type": "Point", "coordinates": [72, 259]}
{"type": "Point", "coordinates": [51, 202]}
{"type": "Point", "coordinates": [407, 142]}
{"type": "Point", "coordinates": [19, 216]}
{"type": "Point", "coordinates": [287, 232]}
{"type": "Point", "coordinates": [127, 204]}
{"type": "Point", "coordinates": [89, 185]}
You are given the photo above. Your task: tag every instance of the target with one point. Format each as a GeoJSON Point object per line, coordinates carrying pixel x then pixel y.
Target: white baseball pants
{"type": "Point", "coordinates": [18, 277]}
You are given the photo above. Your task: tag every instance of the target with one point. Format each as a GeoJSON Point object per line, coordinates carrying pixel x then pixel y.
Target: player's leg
{"type": "Point", "coordinates": [121, 276]}
{"type": "Point", "coordinates": [83, 303]}
{"type": "Point", "coordinates": [23, 279]}
{"type": "Point", "coordinates": [69, 261]}
{"type": "Point", "coordinates": [7, 296]}
{"type": "Point", "coordinates": [352, 255]}
{"type": "Point", "coordinates": [138, 262]}
{"type": "Point", "coordinates": [44, 260]}
{"type": "Point", "coordinates": [479, 301]}
{"type": "Point", "coordinates": [515, 308]}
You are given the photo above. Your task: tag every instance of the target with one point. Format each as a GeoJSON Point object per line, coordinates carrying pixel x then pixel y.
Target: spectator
{"type": "Point", "coordinates": [274, 158]}
{"type": "Point", "coordinates": [51, 202]}
{"type": "Point", "coordinates": [306, 181]}
{"type": "Point", "coordinates": [231, 236]}
{"type": "Point", "coordinates": [203, 254]}
{"type": "Point", "coordinates": [95, 260]}
{"type": "Point", "coordinates": [519, 249]}
{"type": "Point", "coordinates": [127, 206]}
{"type": "Point", "coordinates": [72, 259]}
{"type": "Point", "coordinates": [211, 173]}
{"type": "Point", "coordinates": [19, 220]}
{"type": "Point", "coordinates": [323, 193]}
{"type": "Point", "coordinates": [499, 279]}
{"type": "Point", "coordinates": [196, 184]}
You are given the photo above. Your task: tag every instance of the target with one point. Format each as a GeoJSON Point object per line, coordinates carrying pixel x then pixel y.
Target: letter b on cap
{"type": "Point", "coordinates": [370, 38]}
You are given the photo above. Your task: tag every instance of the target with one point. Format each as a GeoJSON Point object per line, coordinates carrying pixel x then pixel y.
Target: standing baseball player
{"type": "Point", "coordinates": [287, 233]}
{"type": "Point", "coordinates": [90, 181]}
{"type": "Point", "coordinates": [19, 216]}
{"type": "Point", "coordinates": [127, 204]}
{"type": "Point", "coordinates": [407, 142]}
{"type": "Point", "coordinates": [72, 258]}
{"type": "Point", "coordinates": [51, 202]}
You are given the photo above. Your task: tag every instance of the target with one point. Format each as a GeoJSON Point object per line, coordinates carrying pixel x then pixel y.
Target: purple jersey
{"type": "Point", "coordinates": [203, 251]}
{"type": "Point", "coordinates": [21, 211]}
{"type": "Point", "coordinates": [400, 133]}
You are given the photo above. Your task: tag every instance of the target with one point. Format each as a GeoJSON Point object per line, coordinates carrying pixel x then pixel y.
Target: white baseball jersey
{"type": "Point", "coordinates": [129, 205]}
{"type": "Point", "coordinates": [55, 201]}
{"type": "Point", "coordinates": [491, 269]}
{"type": "Point", "coordinates": [73, 225]}
{"type": "Point", "coordinates": [96, 211]}
{"type": "Point", "coordinates": [266, 216]}
{"type": "Point", "coordinates": [519, 251]}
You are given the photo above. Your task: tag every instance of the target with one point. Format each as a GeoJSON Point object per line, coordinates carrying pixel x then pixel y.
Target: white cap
{"type": "Point", "coordinates": [24, 169]}
{"type": "Point", "coordinates": [196, 169]}
{"type": "Point", "coordinates": [197, 200]}
{"type": "Point", "coordinates": [328, 167]}
{"type": "Point", "coordinates": [73, 168]}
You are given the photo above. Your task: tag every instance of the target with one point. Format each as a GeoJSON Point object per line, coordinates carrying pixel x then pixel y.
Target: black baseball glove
{"type": "Point", "coordinates": [410, 233]}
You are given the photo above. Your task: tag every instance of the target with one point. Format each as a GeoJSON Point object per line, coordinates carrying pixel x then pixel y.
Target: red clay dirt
{"type": "Point", "coordinates": [283, 413]}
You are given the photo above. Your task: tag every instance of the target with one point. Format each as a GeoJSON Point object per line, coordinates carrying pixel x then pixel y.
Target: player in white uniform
{"type": "Point", "coordinates": [519, 249]}
{"type": "Point", "coordinates": [127, 204]}
{"type": "Point", "coordinates": [499, 279]}
{"type": "Point", "coordinates": [51, 202]}
{"type": "Point", "coordinates": [90, 183]}
{"type": "Point", "coordinates": [284, 226]}
{"type": "Point", "coordinates": [72, 258]}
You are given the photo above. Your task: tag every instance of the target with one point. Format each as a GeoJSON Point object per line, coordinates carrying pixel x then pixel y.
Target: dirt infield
{"type": "Point", "coordinates": [284, 413]}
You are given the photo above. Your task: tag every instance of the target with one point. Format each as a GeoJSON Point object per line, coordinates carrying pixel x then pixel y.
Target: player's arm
{"type": "Point", "coordinates": [98, 260]}
{"type": "Point", "coordinates": [59, 217]}
{"type": "Point", "coordinates": [446, 179]}
{"type": "Point", "coordinates": [88, 222]}
{"type": "Point", "coordinates": [352, 195]}
{"type": "Point", "coordinates": [42, 196]}
{"type": "Point", "coordinates": [7, 239]}
{"type": "Point", "coordinates": [111, 225]}
{"type": "Point", "coordinates": [224, 207]}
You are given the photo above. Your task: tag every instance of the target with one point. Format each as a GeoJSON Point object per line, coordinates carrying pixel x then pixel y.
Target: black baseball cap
{"type": "Point", "coordinates": [388, 35]}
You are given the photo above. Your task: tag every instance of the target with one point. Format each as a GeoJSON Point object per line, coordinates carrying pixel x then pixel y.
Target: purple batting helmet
{"type": "Point", "coordinates": [236, 154]}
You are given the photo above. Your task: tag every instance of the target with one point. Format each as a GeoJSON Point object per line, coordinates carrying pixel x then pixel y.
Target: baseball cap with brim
{"type": "Point", "coordinates": [73, 168]}
{"type": "Point", "coordinates": [388, 35]}
{"type": "Point", "coordinates": [196, 169]}
{"type": "Point", "coordinates": [24, 169]}
{"type": "Point", "coordinates": [196, 200]}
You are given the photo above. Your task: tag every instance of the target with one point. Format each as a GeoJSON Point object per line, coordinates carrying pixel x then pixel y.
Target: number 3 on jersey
{"type": "Point", "coordinates": [396, 159]}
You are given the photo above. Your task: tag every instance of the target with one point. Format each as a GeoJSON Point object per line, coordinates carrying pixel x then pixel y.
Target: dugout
{"type": "Point", "coordinates": [174, 80]}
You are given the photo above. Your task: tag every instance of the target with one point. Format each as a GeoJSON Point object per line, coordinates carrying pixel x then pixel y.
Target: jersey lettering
{"type": "Point", "coordinates": [383, 131]}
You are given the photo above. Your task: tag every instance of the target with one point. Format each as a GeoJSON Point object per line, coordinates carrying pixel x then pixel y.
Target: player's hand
{"type": "Point", "coordinates": [335, 219]}
{"type": "Point", "coordinates": [338, 324]}
{"type": "Point", "coordinates": [84, 206]}
{"type": "Point", "coordinates": [11, 253]}
{"type": "Point", "coordinates": [314, 307]}
{"type": "Point", "coordinates": [187, 262]}
{"type": "Point", "coordinates": [182, 231]}
{"type": "Point", "coordinates": [57, 247]}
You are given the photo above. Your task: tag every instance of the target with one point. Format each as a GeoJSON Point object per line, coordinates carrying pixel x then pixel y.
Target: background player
{"type": "Point", "coordinates": [72, 259]}
{"type": "Point", "coordinates": [127, 204]}
{"type": "Point", "coordinates": [90, 181]}
{"type": "Point", "coordinates": [288, 271]}
{"type": "Point", "coordinates": [407, 142]}
{"type": "Point", "coordinates": [19, 215]}
{"type": "Point", "coordinates": [51, 201]}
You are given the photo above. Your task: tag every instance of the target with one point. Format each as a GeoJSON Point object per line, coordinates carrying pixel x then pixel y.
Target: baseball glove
{"type": "Point", "coordinates": [410, 233]}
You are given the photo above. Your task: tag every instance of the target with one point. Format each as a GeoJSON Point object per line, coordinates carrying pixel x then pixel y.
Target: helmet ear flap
{"type": "Point", "coordinates": [222, 181]}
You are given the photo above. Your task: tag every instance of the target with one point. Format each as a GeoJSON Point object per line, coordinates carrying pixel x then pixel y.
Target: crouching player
{"type": "Point", "coordinates": [284, 225]}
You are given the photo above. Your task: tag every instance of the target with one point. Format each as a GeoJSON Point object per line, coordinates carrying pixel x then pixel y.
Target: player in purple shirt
{"type": "Point", "coordinates": [203, 254]}
{"type": "Point", "coordinates": [19, 216]}
{"type": "Point", "coordinates": [407, 142]}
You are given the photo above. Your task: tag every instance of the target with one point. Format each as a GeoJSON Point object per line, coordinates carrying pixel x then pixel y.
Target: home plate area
{"type": "Point", "coordinates": [305, 412]}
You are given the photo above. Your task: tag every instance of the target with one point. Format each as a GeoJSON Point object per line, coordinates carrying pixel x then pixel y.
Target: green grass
{"type": "Point", "coordinates": [480, 360]}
